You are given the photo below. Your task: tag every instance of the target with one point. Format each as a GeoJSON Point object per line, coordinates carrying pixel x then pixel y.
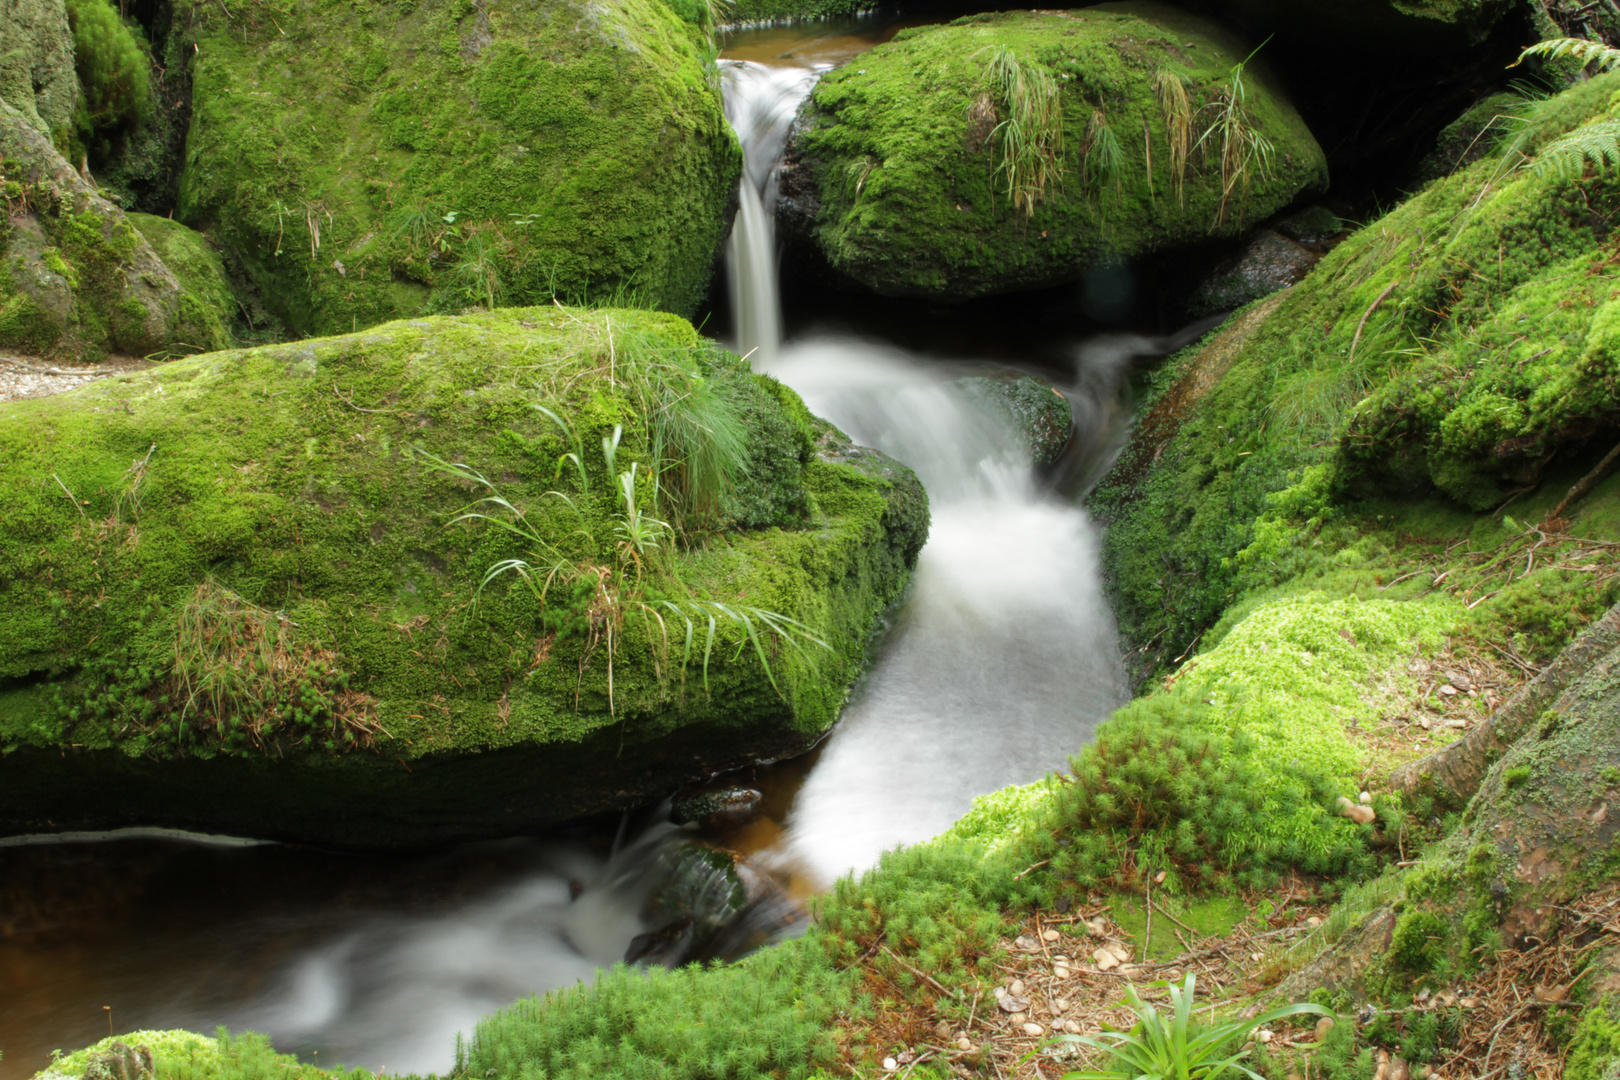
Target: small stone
{"type": "Point", "coordinates": [1061, 971]}
{"type": "Point", "coordinates": [1469, 1003]}
{"type": "Point", "coordinates": [1128, 970]}
{"type": "Point", "coordinates": [1011, 1004]}
{"type": "Point", "coordinates": [1034, 1029]}
{"type": "Point", "coordinates": [1121, 953]}
{"type": "Point", "coordinates": [1073, 1026]}
{"type": "Point", "coordinates": [1447, 689]}
{"type": "Point", "coordinates": [1060, 1005]}
{"type": "Point", "coordinates": [964, 1043]}
{"type": "Point", "coordinates": [889, 1064]}
{"type": "Point", "coordinates": [1362, 815]}
{"type": "Point", "coordinates": [1050, 935]}
{"type": "Point", "coordinates": [1313, 922]}
{"type": "Point", "coordinates": [1265, 1035]}
{"type": "Point", "coordinates": [1366, 799]}
{"type": "Point", "coordinates": [1323, 1026]}
{"type": "Point", "coordinates": [1105, 960]}
{"type": "Point", "coordinates": [1017, 1018]}
{"type": "Point", "coordinates": [1016, 988]}
{"type": "Point", "coordinates": [1000, 992]}
{"type": "Point", "coordinates": [942, 1029]}
{"type": "Point", "coordinates": [1026, 943]}
{"type": "Point", "coordinates": [1255, 957]}
{"type": "Point", "coordinates": [1158, 879]}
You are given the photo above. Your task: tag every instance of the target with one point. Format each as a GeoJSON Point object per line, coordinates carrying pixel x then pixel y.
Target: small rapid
{"type": "Point", "coordinates": [1003, 657]}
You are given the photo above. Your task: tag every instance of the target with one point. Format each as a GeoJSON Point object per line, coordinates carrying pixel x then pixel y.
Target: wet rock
{"type": "Point", "coordinates": [120, 1062]}
{"type": "Point", "coordinates": [1037, 411]}
{"type": "Point", "coordinates": [1270, 262]}
{"type": "Point", "coordinates": [706, 903]}
{"type": "Point", "coordinates": [718, 807]}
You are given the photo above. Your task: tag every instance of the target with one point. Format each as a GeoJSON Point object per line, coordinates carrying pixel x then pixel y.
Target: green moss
{"type": "Point", "coordinates": [1418, 942]}
{"type": "Point", "coordinates": [567, 151]}
{"type": "Point", "coordinates": [1596, 1044]}
{"type": "Point", "coordinates": [745, 12]}
{"type": "Point", "coordinates": [904, 154]}
{"type": "Point", "coordinates": [170, 1049]}
{"type": "Point", "coordinates": [113, 67]}
{"type": "Point", "coordinates": [1400, 367]}
{"type": "Point", "coordinates": [207, 306]}
{"type": "Point", "coordinates": [25, 325]}
{"type": "Point", "coordinates": [286, 477]}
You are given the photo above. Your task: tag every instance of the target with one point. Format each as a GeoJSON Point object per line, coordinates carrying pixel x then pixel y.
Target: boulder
{"type": "Point", "coordinates": [1268, 263]}
{"type": "Point", "coordinates": [240, 599]}
{"type": "Point", "coordinates": [897, 168]}
{"type": "Point", "coordinates": [79, 279]}
{"type": "Point", "coordinates": [36, 65]}
{"type": "Point", "coordinates": [368, 163]}
{"type": "Point", "coordinates": [1032, 407]}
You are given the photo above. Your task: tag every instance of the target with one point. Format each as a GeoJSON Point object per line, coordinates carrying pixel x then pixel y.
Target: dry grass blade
{"type": "Point", "coordinates": [1245, 154]}
{"type": "Point", "coordinates": [1170, 90]}
{"type": "Point", "coordinates": [1031, 136]}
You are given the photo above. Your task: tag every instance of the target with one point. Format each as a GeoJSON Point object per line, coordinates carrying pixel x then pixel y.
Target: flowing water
{"type": "Point", "coordinates": [998, 664]}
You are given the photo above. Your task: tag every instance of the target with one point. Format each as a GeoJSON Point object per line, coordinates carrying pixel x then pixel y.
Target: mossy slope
{"type": "Point", "coordinates": [902, 152]}
{"type": "Point", "coordinates": [275, 495]}
{"type": "Point", "coordinates": [372, 162]}
{"type": "Point", "coordinates": [1453, 352]}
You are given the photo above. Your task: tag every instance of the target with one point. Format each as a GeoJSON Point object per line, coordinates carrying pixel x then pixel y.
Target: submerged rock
{"type": "Point", "coordinates": [366, 163]}
{"type": "Point", "coordinates": [718, 807]}
{"type": "Point", "coordinates": [708, 903]}
{"type": "Point", "coordinates": [254, 613]}
{"type": "Point", "coordinates": [897, 169]}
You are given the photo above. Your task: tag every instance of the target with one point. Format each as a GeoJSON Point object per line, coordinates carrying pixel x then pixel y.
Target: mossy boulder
{"type": "Point", "coordinates": [78, 279]}
{"type": "Point", "coordinates": [237, 601]}
{"type": "Point", "coordinates": [896, 167]}
{"type": "Point", "coordinates": [373, 162]}
{"type": "Point", "coordinates": [36, 65]}
{"type": "Point", "coordinates": [1459, 349]}
{"type": "Point", "coordinates": [206, 301]}
{"type": "Point", "coordinates": [1032, 407]}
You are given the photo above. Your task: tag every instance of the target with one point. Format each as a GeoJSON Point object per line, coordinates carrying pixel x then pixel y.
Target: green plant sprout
{"type": "Point", "coordinates": [1244, 152]}
{"type": "Point", "coordinates": [1177, 1047]}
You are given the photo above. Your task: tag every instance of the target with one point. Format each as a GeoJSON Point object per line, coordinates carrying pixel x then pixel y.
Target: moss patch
{"type": "Point", "coordinates": [904, 150]}
{"type": "Point", "coordinates": [364, 165]}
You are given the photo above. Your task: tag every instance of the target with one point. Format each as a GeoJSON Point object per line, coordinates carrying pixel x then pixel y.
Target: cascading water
{"type": "Point", "coordinates": [1003, 657]}
{"type": "Point", "coordinates": [760, 103]}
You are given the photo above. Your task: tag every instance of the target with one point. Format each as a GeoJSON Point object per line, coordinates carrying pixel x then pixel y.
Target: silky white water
{"type": "Point", "coordinates": [1003, 657]}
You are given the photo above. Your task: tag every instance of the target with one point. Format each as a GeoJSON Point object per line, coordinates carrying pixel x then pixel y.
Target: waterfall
{"type": "Point", "coordinates": [1003, 657]}
{"type": "Point", "coordinates": [760, 103]}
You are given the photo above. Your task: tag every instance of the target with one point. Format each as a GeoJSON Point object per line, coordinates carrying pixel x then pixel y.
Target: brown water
{"type": "Point", "coordinates": [815, 45]}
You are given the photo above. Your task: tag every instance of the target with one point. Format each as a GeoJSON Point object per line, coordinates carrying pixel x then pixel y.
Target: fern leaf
{"type": "Point", "coordinates": [1597, 143]}
{"type": "Point", "coordinates": [1587, 52]}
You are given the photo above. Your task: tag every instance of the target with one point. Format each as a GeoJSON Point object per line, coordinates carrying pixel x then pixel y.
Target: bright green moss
{"type": "Point", "coordinates": [285, 482]}
{"type": "Point", "coordinates": [562, 150]}
{"type": "Point", "coordinates": [905, 161]}
{"type": "Point", "coordinates": [744, 12]}
{"type": "Point", "coordinates": [170, 1049]}
{"type": "Point", "coordinates": [1595, 1049]}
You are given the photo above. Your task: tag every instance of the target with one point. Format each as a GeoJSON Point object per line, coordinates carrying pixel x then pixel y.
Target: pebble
{"type": "Point", "coordinates": [889, 1064]}
{"type": "Point", "coordinates": [1026, 943]}
{"type": "Point", "coordinates": [1050, 935]}
{"type": "Point", "coordinates": [1105, 960]}
{"type": "Point", "coordinates": [1073, 1026]}
{"type": "Point", "coordinates": [1266, 1035]}
{"type": "Point", "coordinates": [1016, 988]}
{"type": "Point", "coordinates": [1366, 798]}
{"type": "Point", "coordinates": [1323, 1026]}
{"type": "Point", "coordinates": [1313, 922]}
{"type": "Point", "coordinates": [1447, 689]}
{"type": "Point", "coordinates": [1017, 1018]}
{"type": "Point", "coordinates": [1034, 1029]}
{"type": "Point", "coordinates": [1061, 971]}
{"type": "Point", "coordinates": [1010, 1003]}
{"type": "Point", "coordinates": [964, 1043]}
{"type": "Point", "coordinates": [1000, 992]}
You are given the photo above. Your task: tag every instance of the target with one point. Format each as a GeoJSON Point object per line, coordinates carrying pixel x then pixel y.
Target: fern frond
{"type": "Point", "coordinates": [1597, 143]}
{"type": "Point", "coordinates": [1587, 52]}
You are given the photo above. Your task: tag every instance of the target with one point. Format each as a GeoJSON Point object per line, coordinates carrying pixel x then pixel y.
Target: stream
{"type": "Point", "coordinates": [996, 668]}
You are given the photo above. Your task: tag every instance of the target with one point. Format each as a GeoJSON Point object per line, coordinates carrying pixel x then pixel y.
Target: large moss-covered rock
{"type": "Point", "coordinates": [36, 62]}
{"type": "Point", "coordinates": [368, 162]}
{"type": "Point", "coordinates": [1462, 347]}
{"type": "Point", "coordinates": [78, 279]}
{"type": "Point", "coordinates": [897, 165]}
{"type": "Point", "coordinates": [236, 600]}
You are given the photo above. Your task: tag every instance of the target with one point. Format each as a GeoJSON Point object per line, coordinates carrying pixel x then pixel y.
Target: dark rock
{"type": "Point", "coordinates": [1037, 410]}
{"type": "Point", "coordinates": [1269, 263]}
{"type": "Point", "coordinates": [709, 903]}
{"type": "Point", "coordinates": [718, 807]}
